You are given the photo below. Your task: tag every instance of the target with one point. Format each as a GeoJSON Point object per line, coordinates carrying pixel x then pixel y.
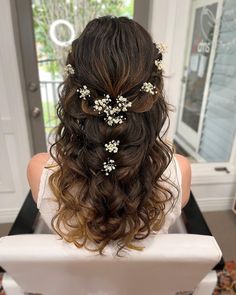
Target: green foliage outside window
{"type": "Point", "coordinates": [51, 57]}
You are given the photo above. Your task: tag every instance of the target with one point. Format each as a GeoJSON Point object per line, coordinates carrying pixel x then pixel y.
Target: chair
{"type": "Point", "coordinates": [191, 221]}
{"type": "Point", "coordinates": [171, 263]}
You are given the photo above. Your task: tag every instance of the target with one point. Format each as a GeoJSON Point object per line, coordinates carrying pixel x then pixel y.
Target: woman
{"type": "Point", "coordinates": [113, 177]}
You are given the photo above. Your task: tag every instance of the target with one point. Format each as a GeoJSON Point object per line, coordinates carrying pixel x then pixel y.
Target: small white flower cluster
{"type": "Point", "coordinates": [161, 47]}
{"type": "Point", "coordinates": [112, 146]}
{"type": "Point", "coordinates": [84, 92]}
{"type": "Point", "coordinates": [68, 70]}
{"type": "Point", "coordinates": [159, 64]}
{"type": "Point", "coordinates": [123, 103]}
{"type": "Point", "coordinates": [119, 119]}
{"type": "Point", "coordinates": [149, 88]}
{"type": "Point", "coordinates": [112, 117]}
{"type": "Point", "coordinates": [101, 105]}
{"type": "Point", "coordinates": [109, 166]}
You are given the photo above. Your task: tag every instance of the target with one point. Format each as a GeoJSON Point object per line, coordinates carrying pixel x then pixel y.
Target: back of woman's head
{"type": "Point", "coordinates": [110, 185]}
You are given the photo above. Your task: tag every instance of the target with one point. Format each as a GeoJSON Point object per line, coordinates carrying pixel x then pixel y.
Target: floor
{"type": "Point", "coordinates": [223, 227]}
{"type": "Point", "coordinates": [4, 229]}
{"type": "Point", "coordinates": [221, 223]}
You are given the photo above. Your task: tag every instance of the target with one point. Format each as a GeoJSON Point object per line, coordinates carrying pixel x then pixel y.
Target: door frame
{"type": "Point", "coordinates": [27, 60]}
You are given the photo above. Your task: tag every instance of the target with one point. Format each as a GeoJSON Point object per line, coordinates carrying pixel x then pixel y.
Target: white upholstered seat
{"type": "Point", "coordinates": [170, 263]}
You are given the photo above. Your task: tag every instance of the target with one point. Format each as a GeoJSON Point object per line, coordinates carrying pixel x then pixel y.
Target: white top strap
{"type": "Point", "coordinates": [43, 186]}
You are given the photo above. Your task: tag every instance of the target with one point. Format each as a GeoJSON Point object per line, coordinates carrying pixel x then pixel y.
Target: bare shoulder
{"type": "Point", "coordinates": [185, 168]}
{"type": "Point", "coordinates": [34, 172]}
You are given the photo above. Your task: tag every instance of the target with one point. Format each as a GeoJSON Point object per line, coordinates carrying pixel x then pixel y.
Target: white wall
{"type": "Point", "coordinates": [169, 24]}
{"type": "Point", "coordinates": [15, 150]}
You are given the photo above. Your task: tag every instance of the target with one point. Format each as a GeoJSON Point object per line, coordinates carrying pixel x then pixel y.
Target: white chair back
{"type": "Point", "coordinates": [169, 264]}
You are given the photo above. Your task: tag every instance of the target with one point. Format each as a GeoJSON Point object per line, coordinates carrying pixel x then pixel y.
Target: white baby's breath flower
{"type": "Point", "coordinates": [112, 112]}
{"type": "Point", "coordinates": [162, 47]}
{"type": "Point", "coordinates": [109, 166]}
{"type": "Point", "coordinates": [84, 92]}
{"type": "Point", "coordinates": [149, 88]}
{"type": "Point", "coordinates": [112, 146]}
{"type": "Point", "coordinates": [159, 64]}
{"type": "Point", "coordinates": [101, 105]}
{"type": "Point", "coordinates": [123, 103]}
{"type": "Point", "coordinates": [68, 70]}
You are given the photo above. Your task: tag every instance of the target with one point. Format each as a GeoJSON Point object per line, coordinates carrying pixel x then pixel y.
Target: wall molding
{"type": "Point", "coordinates": [8, 215]}
{"type": "Point", "coordinates": [215, 204]}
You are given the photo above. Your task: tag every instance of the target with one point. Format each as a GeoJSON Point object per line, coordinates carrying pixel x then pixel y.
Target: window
{"type": "Point", "coordinates": [207, 114]}
{"type": "Point", "coordinates": [56, 24]}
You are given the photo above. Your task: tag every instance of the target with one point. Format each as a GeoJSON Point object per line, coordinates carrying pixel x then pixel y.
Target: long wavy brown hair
{"type": "Point", "coordinates": [112, 56]}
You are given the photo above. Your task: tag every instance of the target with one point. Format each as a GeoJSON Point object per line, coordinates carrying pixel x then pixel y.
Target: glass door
{"type": "Point", "coordinates": [203, 33]}
{"type": "Point", "coordinates": [207, 114]}
{"type": "Point", "coordinates": [206, 129]}
{"type": "Point", "coordinates": [56, 24]}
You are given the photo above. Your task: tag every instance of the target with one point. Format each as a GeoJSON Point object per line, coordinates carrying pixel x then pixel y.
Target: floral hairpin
{"type": "Point", "coordinates": [101, 104]}
{"type": "Point", "coordinates": [159, 64]}
{"type": "Point", "coordinates": [149, 88]}
{"type": "Point", "coordinates": [109, 166]}
{"type": "Point", "coordinates": [112, 112]}
{"type": "Point", "coordinates": [69, 70]}
{"type": "Point", "coordinates": [84, 92]}
{"type": "Point", "coordinates": [161, 47]}
{"type": "Point", "coordinates": [112, 146]}
{"type": "Point", "coordinates": [123, 103]}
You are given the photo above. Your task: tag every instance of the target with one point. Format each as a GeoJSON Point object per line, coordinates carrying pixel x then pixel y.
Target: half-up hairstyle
{"type": "Point", "coordinates": [112, 56]}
